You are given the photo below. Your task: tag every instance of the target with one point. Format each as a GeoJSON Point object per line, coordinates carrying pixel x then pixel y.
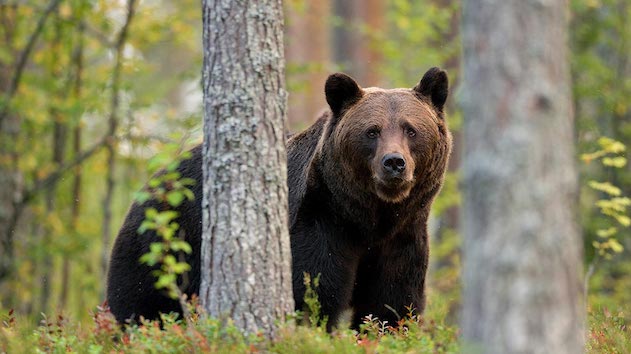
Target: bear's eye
{"type": "Point", "coordinates": [410, 132]}
{"type": "Point", "coordinates": [372, 134]}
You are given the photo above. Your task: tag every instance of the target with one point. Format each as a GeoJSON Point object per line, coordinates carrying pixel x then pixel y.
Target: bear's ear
{"type": "Point", "coordinates": [341, 92]}
{"type": "Point", "coordinates": [435, 86]}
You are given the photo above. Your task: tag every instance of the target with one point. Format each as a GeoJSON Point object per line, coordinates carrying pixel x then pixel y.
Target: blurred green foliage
{"type": "Point", "coordinates": [601, 71]}
{"type": "Point", "coordinates": [161, 62]}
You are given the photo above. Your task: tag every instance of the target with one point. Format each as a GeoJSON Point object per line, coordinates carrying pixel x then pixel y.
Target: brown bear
{"type": "Point", "coordinates": [361, 183]}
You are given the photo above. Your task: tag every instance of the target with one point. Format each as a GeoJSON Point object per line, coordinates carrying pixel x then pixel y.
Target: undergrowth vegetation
{"type": "Point", "coordinates": [609, 332]}
{"type": "Point", "coordinates": [208, 335]}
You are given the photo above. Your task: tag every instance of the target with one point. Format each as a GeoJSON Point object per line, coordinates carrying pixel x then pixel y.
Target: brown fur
{"type": "Point", "coordinates": [393, 113]}
{"type": "Point", "coordinates": [365, 236]}
{"type": "Point", "coordinates": [361, 228]}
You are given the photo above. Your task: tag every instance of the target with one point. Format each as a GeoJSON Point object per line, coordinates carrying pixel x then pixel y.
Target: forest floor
{"type": "Point", "coordinates": [609, 332]}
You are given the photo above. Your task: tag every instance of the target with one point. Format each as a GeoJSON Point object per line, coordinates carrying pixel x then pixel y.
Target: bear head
{"type": "Point", "coordinates": [387, 144]}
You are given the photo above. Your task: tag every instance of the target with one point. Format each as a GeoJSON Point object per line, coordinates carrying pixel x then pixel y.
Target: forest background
{"type": "Point", "coordinates": [92, 101]}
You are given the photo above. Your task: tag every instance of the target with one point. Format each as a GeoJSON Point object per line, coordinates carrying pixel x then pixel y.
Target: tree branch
{"type": "Point", "coordinates": [144, 138]}
{"type": "Point", "coordinates": [54, 176]}
{"type": "Point", "coordinates": [98, 35]}
{"type": "Point", "coordinates": [107, 140]}
{"type": "Point", "coordinates": [23, 58]}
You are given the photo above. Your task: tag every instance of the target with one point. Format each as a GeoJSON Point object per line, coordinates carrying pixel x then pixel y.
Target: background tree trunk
{"type": "Point", "coordinates": [354, 44]}
{"type": "Point", "coordinates": [10, 177]}
{"type": "Point", "coordinates": [308, 57]}
{"type": "Point", "coordinates": [77, 63]}
{"type": "Point", "coordinates": [112, 124]}
{"type": "Point", "coordinates": [59, 137]}
{"type": "Point", "coordinates": [246, 272]}
{"type": "Point", "coordinates": [522, 249]}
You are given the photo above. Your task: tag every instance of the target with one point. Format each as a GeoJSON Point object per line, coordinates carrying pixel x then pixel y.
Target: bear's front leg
{"type": "Point", "coordinates": [390, 279]}
{"type": "Point", "coordinates": [335, 268]}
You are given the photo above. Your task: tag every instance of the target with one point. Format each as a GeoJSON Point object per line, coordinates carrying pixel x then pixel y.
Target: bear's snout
{"type": "Point", "coordinates": [394, 179]}
{"type": "Point", "coordinates": [393, 165]}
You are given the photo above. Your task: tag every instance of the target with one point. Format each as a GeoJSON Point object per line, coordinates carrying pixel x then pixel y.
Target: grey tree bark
{"type": "Point", "coordinates": [246, 265]}
{"type": "Point", "coordinates": [522, 249]}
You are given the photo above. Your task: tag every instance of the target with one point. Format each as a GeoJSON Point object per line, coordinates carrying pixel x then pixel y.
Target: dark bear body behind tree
{"type": "Point", "coordinates": [361, 183]}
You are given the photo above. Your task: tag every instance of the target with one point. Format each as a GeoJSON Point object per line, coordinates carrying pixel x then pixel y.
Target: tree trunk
{"type": "Point", "coordinates": [7, 173]}
{"type": "Point", "coordinates": [60, 129]}
{"type": "Point", "coordinates": [112, 124]}
{"type": "Point", "coordinates": [77, 62]}
{"type": "Point", "coordinates": [309, 53]}
{"type": "Point", "coordinates": [246, 272]}
{"type": "Point", "coordinates": [522, 249]}
{"type": "Point", "coordinates": [353, 47]}
{"type": "Point", "coordinates": [10, 176]}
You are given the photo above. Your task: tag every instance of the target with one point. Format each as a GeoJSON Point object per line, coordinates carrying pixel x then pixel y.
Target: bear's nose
{"type": "Point", "coordinates": [393, 163]}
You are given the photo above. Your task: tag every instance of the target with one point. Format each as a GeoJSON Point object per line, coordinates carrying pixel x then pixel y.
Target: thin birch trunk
{"type": "Point", "coordinates": [58, 149]}
{"type": "Point", "coordinates": [110, 147]}
{"type": "Point", "coordinates": [77, 61]}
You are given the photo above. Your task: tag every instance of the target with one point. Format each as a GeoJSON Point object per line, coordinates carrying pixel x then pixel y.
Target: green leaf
{"type": "Point", "coordinates": [146, 225]}
{"type": "Point", "coordinates": [154, 182]}
{"type": "Point", "coordinates": [165, 217]}
{"type": "Point", "coordinates": [149, 259]}
{"type": "Point", "coordinates": [169, 260]}
{"type": "Point", "coordinates": [180, 268]}
{"type": "Point", "coordinates": [189, 194]}
{"type": "Point", "coordinates": [165, 280]}
{"type": "Point", "coordinates": [181, 246]}
{"type": "Point", "coordinates": [172, 293]}
{"type": "Point", "coordinates": [151, 213]}
{"type": "Point", "coordinates": [173, 165]}
{"type": "Point", "coordinates": [167, 233]}
{"type": "Point", "coordinates": [156, 247]}
{"type": "Point", "coordinates": [175, 198]}
{"type": "Point", "coordinates": [142, 196]}
{"type": "Point", "coordinates": [171, 176]}
{"type": "Point", "coordinates": [188, 182]}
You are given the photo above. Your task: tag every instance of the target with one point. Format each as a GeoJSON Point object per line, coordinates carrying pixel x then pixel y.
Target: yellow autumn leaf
{"type": "Point", "coordinates": [615, 245]}
{"type": "Point", "coordinates": [611, 145]}
{"type": "Point", "coordinates": [604, 233]}
{"type": "Point", "coordinates": [617, 162]}
{"type": "Point", "coordinates": [605, 187]}
{"type": "Point", "coordinates": [623, 220]}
